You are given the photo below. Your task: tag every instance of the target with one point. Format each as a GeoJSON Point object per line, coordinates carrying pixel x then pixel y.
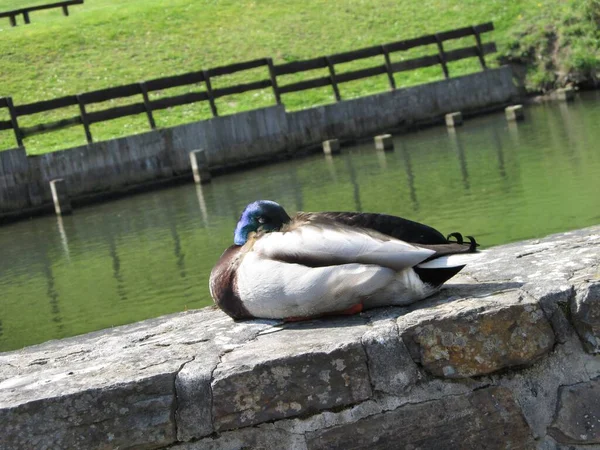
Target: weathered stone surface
{"type": "Point", "coordinates": [585, 311]}
{"type": "Point", "coordinates": [470, 338]}
{"type": "Point", "coordinates": [554, 298]}
{"type": "Point", "coordinates": [194, 397]}
{"type": "Point", "coordinates": [264, 437]}
{"type": "Point", "coordinates": [307, 368]}
{"type": "Point", "coordinates": [133, 415]}
{"type": "Point", "coordinates": [109, 389]}
{"type": "Point", "coordinates": [391, 368]}
{"type": "Point", "coordinates": [577, 418]}
{"type": "Point", "coordinates": [487, 418]}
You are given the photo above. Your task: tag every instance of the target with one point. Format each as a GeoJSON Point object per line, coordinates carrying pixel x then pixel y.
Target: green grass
{"type": "Point", "coordinates": [110, 42]}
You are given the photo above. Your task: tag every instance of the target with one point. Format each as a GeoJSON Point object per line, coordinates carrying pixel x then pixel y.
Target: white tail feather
{"type": "Point", "coordinates": [451, 261]}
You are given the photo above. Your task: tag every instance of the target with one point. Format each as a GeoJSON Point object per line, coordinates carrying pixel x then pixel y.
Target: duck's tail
{"type": "Point", "coordinates": [448, 260]}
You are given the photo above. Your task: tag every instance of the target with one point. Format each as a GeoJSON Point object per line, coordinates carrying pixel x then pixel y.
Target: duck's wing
{"type": "Point", "coordinates": [396, 227]}
{"type": "Point", "coordinates": [322, 244]}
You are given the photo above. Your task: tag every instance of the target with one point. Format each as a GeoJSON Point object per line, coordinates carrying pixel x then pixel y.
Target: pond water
{"type": "Point", "coordinates": [151, 254]}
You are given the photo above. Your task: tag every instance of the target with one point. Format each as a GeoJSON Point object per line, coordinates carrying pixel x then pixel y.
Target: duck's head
{"type": "Point", "coordinates": [261, 215]}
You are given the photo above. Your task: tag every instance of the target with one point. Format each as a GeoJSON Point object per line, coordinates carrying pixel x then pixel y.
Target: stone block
{"type": "Point", "coordinates": [331, 147]}
{"type": "Point", "coordinates": [488, 418]}
{"type": "Point", "coordinates": [384, 142]}
{"type": "Point", "coordinates": [194, 398]}
{"type": "Point", "coordinates": [289, 374]}
{"type": "Point", "coordinates": [121, 416]}
{"type": "Point", "coordinates": [577, 419]}
{"type": "Point", "coordinates": [454, 119]}
{"type": "Point", "coordinates": [585, 314]}
{"type": "Point", "coordinates": [391, 368]}
{"type": "Point", "coordinates": [467, 338]}
{"type": "Point", "coordinates": [515, 112]}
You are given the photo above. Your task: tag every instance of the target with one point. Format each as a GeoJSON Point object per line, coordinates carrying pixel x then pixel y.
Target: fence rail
{"type": "Point", "coordinates": [12, 15]}
{"type": "Point", "coordinates": [147, 106]}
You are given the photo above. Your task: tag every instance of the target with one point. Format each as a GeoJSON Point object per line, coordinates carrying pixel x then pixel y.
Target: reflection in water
{"type": "Point", "coordinates": [381, 158]}
{"type": "Point", "coordinates": [116, 266]}
{"type": "Point", "coordinates": [149, 255]}
{"type": "Point", "coordinates": [499, 152]}
{"type": "Point", "coordinates": [410, 177]}
{"type": "Point", "coordinates": [513, 131]}
{"type": "Point", "coordinates": [331, 167]}
{"type": "Point", "coordinates": [52, 293]}
{"type": "Point", "coordinates": [202, 204]}
{"type": "Point", "coordinates": [353, 181]}
{"type": "Point", "coordinates": [460, 151]}
{"type": "Point", "coordinates": [63, 237]}
{"type": "Point", "coordinates": [297, 187]}
{"type": "Point", "coordinates": [179, 255]}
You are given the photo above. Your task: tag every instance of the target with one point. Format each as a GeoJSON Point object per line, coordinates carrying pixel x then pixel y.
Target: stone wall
{"type": "Point", "coordinates": [506, 356]}
{"type": "Point", "coordinates": [263, 134]}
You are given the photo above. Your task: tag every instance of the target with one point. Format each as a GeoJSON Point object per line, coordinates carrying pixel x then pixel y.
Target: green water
{"type": "Point", "coordinates": [151, 254]}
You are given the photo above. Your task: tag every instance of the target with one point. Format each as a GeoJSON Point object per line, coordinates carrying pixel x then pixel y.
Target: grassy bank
{"type": "Point", "coordinates": [109, 42]}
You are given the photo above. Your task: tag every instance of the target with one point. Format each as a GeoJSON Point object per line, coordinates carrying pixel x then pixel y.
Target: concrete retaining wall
{"type": "Point", "coordinates": [234, 140]}
{"type": "Point", "coordinates": [507, 356]}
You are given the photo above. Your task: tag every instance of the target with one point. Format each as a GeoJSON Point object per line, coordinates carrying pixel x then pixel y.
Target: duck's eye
{"type": "Point", "coordinates": [262, 220]}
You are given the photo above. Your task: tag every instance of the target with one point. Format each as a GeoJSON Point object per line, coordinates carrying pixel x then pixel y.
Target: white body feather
{"type": "Point", "coordinates": [357, 268]}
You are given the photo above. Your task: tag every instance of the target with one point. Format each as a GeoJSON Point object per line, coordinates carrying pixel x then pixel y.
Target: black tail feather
{"type": "Point", "coordinates": [438, 276]}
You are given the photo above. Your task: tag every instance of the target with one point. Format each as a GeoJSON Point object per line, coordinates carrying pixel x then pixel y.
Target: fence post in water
{"type": "Point", "coordinates": [384, 142]}
{"type": "Point", "coordinates": [200, 170]}
{"type": "Point", "coordinates": [60, 197]}
{"type": "Point", "coordinates": [331, 147]}
{"type": "Point", "coordinates": [514, 112]}
{"type": "Point", "coordinates": [454, 119]}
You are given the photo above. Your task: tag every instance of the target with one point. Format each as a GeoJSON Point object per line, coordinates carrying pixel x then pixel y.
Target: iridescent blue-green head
{"type": "Point", "coordinates": [261, 215]}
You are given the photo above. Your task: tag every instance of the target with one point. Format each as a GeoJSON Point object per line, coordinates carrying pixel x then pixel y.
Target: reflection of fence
{"type": "Point", "coordinates": [12, 15]}
{"type": "Point", "coordinates": [147, 106]}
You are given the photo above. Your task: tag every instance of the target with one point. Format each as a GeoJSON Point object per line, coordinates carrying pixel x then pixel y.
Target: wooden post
{"type": "Point", "coordinates": [331, 147]}
{"type": "Point", "coordinates": [514, 112]}
{"type": "Point", "coordinates": [442, 55]}
{"type": "Point", "coordinates": [26, 16]}
{"type": "Point", "coordinates": [60, 197]}
{"type": "Point", "coordinates": [211, 99]}
{"type": "Point", "coordinates": [454, 119]}
{"type": "Point", "coordinates": [388, 66]}
{"type": "Point", "coordinates": [336, 91]}
{"type": "Point", "coordinates": [84, 120]}
{"type": "Point", "coordinates": [13, 21]}
{"type": "Point", "coordinates": [14, 122]}
{"type": "Point", "coordinates": [384, 142]}
{"type": "Point", "coordinates": [199, 161]}
{"type": "Point", "coordinates": [274, 80]}
{"type": "Point", "coordinates": [479, 48]}
{"type": "Point", "coordinates": [65, 9]}
{"type": "Point", "coordinates": [147, 105]}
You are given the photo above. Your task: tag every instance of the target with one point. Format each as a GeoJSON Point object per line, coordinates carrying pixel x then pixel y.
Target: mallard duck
{"type": "Point", "coordinates": [317, 264]}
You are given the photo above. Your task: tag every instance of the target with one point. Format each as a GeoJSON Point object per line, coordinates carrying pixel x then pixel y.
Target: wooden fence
{"type": "Point", "coordinates": [147, 106]}
{"type": "Point", "coordinates": [12, 15]}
